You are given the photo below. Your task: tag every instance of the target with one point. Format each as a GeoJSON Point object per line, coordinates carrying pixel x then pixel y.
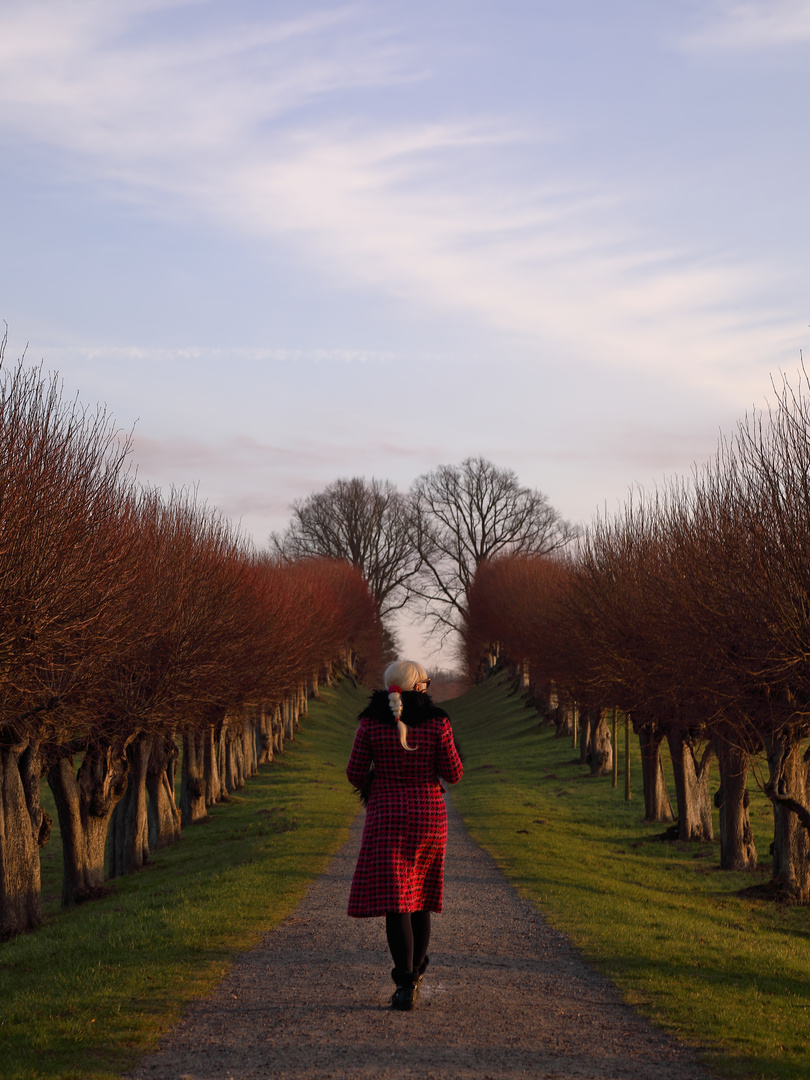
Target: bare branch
{"type": "Point", "coordinates": [462, 516]}
{"type": "Point", "coordinates": [362, 522]}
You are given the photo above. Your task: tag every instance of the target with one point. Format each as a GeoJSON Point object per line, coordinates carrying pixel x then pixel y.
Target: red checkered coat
{"type": "Point", "coordinates": [401, 861]}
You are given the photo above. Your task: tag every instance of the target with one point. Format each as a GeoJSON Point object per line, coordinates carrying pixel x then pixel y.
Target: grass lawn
{"type": "Point", "coordinates": [727, 974]}
{"type": "Point", "coordinates": [90, 991]}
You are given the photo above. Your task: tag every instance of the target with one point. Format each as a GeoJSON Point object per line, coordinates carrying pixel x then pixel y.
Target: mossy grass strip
{"type": "Point", "coordinates": [90, 991]}
{"type": "Point", "coordinates": [726, 973]}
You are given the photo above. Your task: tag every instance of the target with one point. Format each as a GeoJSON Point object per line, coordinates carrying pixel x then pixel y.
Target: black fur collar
{"type": "Point", "coordinates": [416, 708]}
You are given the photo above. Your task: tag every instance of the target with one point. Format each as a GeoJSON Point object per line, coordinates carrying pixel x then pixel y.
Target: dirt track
{"type": "Point", "coordinates": [505, 996]}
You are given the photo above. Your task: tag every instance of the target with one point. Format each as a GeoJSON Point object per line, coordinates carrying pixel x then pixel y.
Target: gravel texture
{"type": "Point", "coordinates": [504, 996]}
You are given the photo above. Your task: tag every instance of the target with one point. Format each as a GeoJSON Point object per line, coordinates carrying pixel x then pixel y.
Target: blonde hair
{"type": "Point", "coordinates": [402, 675]}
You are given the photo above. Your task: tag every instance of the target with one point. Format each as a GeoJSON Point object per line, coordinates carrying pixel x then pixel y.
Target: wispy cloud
{"type": "Point", "coordinates": [134, 103]}
{"type": "Point", "coordinates": [215, 126]}
{"type": "Point", "coordinates": [753, 26]}
{"type": "Point", "coordinates": [123, 355]}
{"type": "Point", "coordinates": [184, 457]}
{"type": "Point", "coordinates": [257, 481]}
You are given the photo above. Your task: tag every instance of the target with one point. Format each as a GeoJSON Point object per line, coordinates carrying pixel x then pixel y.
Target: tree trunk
{"type": "Point", "coordinates": [788, 788]}
{"type": "Point", "coordinates": [222, 741]}
{"type": "Point", "coordinates": [278, 730]}
{"type": "Point", "coordinates": [192, 780]}
{"type": "Point", "coordinates": [584, 736]}
{"type": "Point", "coordinates": [162, 812]}
{"type": "Point", "coordinates": [600, 757]}
{"type": "Point", "coordinates": [213, 779]}
{"type": "Point", "coordinates": [129, 826]}
{"type": "Point", "coordinates": [238, 752]}
{"type": "Point", "coordinates": [628, 791]}
{"type": "Point", "coordinates": [691, 787]}
{"type": "Point", "coordinates": [250, 740]}
{"type": "Point", "coordinates": [85, 801]}
{"type": "Point", "coordinates": [20, 834]}
{"type": "Point", "coordinates": [657, 806]}
{"type": "Point", "coordinates": [233, 773]}
{"type": "Point", "coordinates": [737, 850]}
{"type": "Point", "coordinates": [292, 716]}
{"type": "Point", "coordinates": [266, 732]}
{"type": "Point", "coordinates": [31, 771]}
{"type": "Point", "coordinates": [561, 718]}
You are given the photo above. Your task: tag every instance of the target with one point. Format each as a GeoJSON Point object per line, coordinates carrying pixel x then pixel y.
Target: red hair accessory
{"type": "Point", "coordinates": [394, 690]}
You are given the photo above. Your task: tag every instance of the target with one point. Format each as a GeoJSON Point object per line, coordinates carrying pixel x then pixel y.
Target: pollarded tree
{"type": "Point", "coordinates": [63, 497]}
{"type": "Point", "coordinates": [715, 635]}
{"type": "Point", "coordinates": [664, 611]}
{"type": "Point", "coordinates": [464, 515]}
{"type": "Point", "coordinates": [623, 633]}
{"type": "Point", "coordinates": [281, 624]}
{"type": "Point", "coordinates": [346, 623]}
{"type": "Point", "coordinates": [361, 522]}
{"type": "Point", "coordinates": [520, 602]}
{"type": "Point", "coordinates": [511, 608]}
{"type": "Point", "coordinates": [772, 459]}
{"type": "Point", "coordinates": [192, 650]}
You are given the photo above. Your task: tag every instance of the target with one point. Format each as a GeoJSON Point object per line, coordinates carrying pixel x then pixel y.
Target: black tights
{"type": "Point", "coordinates": [408, 934]}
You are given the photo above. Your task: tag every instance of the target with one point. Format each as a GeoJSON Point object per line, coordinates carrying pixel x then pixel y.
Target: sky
{"type": "Point", "coordinates": [288, 242]}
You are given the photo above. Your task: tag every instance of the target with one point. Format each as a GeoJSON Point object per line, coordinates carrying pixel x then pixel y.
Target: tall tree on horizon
{"type": "Point", "coordinates": [464, 515]}
{"type": "Point", "coordinates": [362, 522]}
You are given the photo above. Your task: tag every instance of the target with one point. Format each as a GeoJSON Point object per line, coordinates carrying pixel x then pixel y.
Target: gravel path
{"type": "Point", "coordinates": [504, 996]}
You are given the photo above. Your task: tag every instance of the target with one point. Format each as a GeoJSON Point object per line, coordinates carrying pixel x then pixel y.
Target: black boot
{"type": "Point", "coordinates": [420, 970]}
{"type": "Point", "coordinates": [407, 991]}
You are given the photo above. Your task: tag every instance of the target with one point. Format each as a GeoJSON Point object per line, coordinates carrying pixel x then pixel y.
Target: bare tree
{"type": "Point", "coordinates": [63, 493]}
{"type": "Point", "coordinates": [464, 515]}
{"type": "Point", "coordinates": [362, 522]}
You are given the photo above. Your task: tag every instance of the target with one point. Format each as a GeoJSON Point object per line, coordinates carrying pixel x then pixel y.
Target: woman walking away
{"type": "Point", "coordinates": [403, 748]}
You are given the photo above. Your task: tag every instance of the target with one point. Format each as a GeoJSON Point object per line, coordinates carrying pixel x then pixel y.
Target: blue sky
{"type": "Point", "coordinates": [295, 241]}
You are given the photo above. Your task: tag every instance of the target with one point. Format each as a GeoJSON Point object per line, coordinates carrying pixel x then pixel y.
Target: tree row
{"type": "Point", "coordinates": [689, 610]}
{"type": "Point", "coordinates": [133, 626]}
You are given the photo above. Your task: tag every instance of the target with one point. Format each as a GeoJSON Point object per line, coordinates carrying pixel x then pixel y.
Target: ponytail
{"type": "Point", "coordinates": [395, 701]}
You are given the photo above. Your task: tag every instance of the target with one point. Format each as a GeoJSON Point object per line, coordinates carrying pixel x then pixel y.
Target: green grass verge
{"type": "Point", "coordinates": [91, 990]}
{"type": "Point", "coordinates": [729, 975]}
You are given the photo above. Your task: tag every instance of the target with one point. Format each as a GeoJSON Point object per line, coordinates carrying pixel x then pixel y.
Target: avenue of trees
{"type": "Point", "coordinates": [139, 634]}
{"type": "Point", "coordinates": [142, 636]}
{"type": "Point", "coordinates": [689, 611]}
{"type": "Point", "coordinates": [423, 547]}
